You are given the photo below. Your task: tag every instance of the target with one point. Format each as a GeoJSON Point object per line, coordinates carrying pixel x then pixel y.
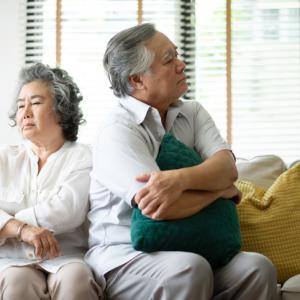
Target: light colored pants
{"type": "Point", "coordinates": [188, 276]}
{"type": "Point", "coordinates": [73, 281]}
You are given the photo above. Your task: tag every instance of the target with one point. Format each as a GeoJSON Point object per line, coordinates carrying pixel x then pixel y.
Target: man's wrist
{"type": "Point", "coordinates": [183, 179]}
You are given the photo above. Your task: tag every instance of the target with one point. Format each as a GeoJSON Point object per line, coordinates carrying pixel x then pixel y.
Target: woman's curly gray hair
{"type": "Point", "coordinates": [65, 92]}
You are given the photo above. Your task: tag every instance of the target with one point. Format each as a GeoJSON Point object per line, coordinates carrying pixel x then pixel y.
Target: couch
{"type": "Point", "coordinates": [263, 171]}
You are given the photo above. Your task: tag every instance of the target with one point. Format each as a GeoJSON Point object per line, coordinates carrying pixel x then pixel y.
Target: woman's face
{"type": "Point", "coordinates": [36, 117]}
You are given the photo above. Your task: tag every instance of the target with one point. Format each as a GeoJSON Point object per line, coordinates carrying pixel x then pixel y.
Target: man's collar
{"type": "Point", "coordinates": [139, 109]}
{"type": "Point", "coordinates": [176, 107]}
{"type": "Point", "coordinates": [136, 108]}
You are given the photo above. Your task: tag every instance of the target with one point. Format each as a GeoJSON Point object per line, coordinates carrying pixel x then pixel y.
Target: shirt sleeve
{"type": "Point", "coordinates": [67, 207]}
{"type": "Point", "coordinates": [4, 218]}
{"type": "Point", "coordinates": [121, 153]}
{"type": "Point", "coordinates": [208, 139]}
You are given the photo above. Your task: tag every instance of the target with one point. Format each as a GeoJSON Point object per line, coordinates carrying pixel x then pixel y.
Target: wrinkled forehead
{"type": "Point", "coordinates": [160, 45]}
{"type": "Point", "coordinates": [34, 85]}
{"type": "Point", "coordinates": [33, 89]}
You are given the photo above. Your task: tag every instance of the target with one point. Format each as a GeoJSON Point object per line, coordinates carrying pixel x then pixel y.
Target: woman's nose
{"type": "Point", "coordinates": [27, 112]}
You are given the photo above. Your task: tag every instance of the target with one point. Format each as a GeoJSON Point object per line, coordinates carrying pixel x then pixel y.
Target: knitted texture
{"type": "Point", "coordinates": [270, 221]}
{"type": "Point", "coordinates": [213, 232]}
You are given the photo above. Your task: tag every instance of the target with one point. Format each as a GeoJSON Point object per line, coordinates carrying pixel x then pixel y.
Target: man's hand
{"type": "Point", "coordinates": [232, 192]}
{"type": "Point", "coordinates": [192, 202]}
{"type": "Point", "coordinates": [44, 242]}
{"type": "Point", "coordinates": [161, 191]}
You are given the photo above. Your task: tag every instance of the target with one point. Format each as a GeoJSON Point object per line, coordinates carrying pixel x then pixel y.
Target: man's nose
{"type": "Point", "coordinates": [180, 65]}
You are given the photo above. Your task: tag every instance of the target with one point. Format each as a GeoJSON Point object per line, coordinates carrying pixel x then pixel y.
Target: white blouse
{"type": "Point", "coordinates": [56, 198]}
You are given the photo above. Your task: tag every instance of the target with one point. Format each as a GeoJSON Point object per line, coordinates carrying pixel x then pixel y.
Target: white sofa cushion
{"type": "Point", "coordinates": [261, 170]}
{"type": "Point", "coordinates": [291, 289]}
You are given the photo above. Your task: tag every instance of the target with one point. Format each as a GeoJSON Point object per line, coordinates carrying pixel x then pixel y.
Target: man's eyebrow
{"type": "Point", "coordinates": [169, 52]}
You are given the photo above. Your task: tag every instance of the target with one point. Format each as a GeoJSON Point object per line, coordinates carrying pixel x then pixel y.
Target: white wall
{"type": "Point", "coordinates": [11, 60]}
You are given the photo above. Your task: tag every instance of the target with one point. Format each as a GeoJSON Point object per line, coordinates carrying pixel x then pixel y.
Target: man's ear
{"type": "Point", "coordinates": [136, 82]}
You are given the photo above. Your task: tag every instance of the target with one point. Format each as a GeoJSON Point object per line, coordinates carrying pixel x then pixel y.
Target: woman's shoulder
{"type": "Point", "coordinates": [78, 150]}
{"type": "Point", "coordinates": [77, 146]}
{"type": "Point", "coordinates": [13, 156]}
{"type": "Point", "coordinates": [12, 149]}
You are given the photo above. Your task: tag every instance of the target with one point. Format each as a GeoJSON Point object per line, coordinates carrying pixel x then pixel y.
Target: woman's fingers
{"type": "Point", "coordinates": [37, 247]}
{"type": "Point", "coordinates": [54, 250]}
{"type": "Point", "coordinates": [50, 245]}
{"type": "Point", "coordinates": [44, 242]}
{"type": "Point", "coordinates": [45, 246]}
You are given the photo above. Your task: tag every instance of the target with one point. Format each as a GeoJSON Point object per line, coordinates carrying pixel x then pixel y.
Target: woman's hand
{"type": "Point", "coordinates": [43, 241]}
{"type": "Point", "coordinates": [161, 191]}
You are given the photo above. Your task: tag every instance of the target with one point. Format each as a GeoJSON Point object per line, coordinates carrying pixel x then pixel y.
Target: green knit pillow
{"type": "Point", "coordinates": [214, 232]}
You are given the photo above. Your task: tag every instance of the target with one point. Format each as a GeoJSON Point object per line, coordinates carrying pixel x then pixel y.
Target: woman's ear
{"type": "Point", "coordinates": [136, 81]}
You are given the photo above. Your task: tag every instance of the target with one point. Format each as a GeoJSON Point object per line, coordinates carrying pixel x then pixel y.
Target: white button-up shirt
{"type": "Point", "coordinates": [55, 198]}
{"type": "Point", "coordinates": [127, 145]}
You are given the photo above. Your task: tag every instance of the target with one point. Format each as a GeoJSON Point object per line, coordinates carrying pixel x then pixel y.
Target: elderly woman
{"type": "Point", "coordinates": [44, 184]}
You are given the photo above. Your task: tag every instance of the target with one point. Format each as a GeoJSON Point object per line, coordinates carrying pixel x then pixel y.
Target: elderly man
{"type": "Point", "coordinates": [148, 77]}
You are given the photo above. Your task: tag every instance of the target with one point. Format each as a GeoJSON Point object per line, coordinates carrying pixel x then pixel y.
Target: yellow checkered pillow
{"type": "Point", "coordinates": [270, 221]}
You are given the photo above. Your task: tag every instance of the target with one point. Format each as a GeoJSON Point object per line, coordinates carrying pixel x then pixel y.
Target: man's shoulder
{"type": "Point", "coordinates": [117, 118]}
{"type": "Point", "coordinates": [190, 107]}
{"type": "Point", "coordinates": [190, 104]}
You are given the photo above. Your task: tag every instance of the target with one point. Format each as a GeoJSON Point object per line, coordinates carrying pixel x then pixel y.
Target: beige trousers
{"type": "Point", "coordinates": [188, 276]}
{"type": "Point", "coordinates": [73, 281]}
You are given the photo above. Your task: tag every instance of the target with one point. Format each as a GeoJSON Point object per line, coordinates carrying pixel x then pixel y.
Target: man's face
{"type": "Point", "coordinates": [166, 81]}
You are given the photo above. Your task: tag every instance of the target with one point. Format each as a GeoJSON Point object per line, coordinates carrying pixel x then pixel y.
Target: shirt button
{"type": "Point", "coordinates": [30, 255]}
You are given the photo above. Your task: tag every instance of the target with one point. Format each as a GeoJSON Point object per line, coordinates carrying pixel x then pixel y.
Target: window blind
{"type": "Point", "coordinates": [40, 31]}
{"type": "Point", "coordinates": [266, 77]}
{"type": "Point", "coordinates": [258, 53]}
{"type": "Point", "coordinates": [210, 59]}
{"type": "Point", "coordinates": [265, 73]}
{"type": "Point", "coordinates": [187, 43]}
{"type": "Point", "coordinates": [85, 32]}
{"type": "Point", "coordinates": [175, 18]}
{"type": "Point", "coordinates": [86, 28]}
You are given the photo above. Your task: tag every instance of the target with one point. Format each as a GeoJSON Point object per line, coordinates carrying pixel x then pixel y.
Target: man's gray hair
{"type": "Point", "coordinates": [127, 55]}
{"type": "Point", "coordinates": [65, 92]}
